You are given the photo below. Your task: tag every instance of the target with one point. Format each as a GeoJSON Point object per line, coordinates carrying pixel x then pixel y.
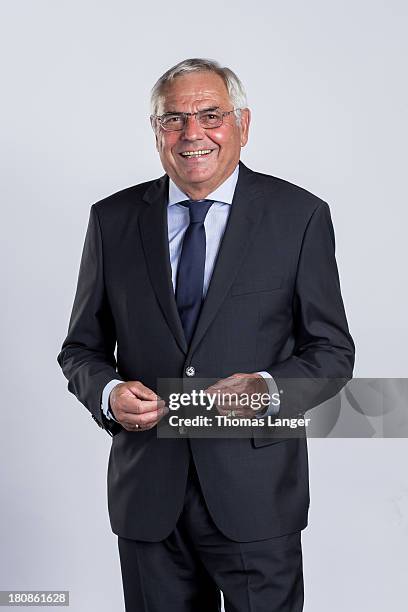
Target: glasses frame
{"type": "Point", "coordinates": [159, 118]}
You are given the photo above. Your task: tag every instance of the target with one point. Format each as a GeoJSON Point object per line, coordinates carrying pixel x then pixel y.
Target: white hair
{"type": "Point", "coordinates": [234, 86]}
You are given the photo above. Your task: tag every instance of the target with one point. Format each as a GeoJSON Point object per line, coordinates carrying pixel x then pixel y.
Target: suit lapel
{"type": "Point", "coordinates": [244, 217]}
{"type": "Point", "coordinates": [154, 233]}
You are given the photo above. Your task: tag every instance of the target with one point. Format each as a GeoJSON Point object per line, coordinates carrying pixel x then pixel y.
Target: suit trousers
{"type": "Point", "coordinates": [186, 571]}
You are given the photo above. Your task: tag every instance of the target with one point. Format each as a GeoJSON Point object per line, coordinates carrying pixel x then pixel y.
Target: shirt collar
{"type": "Point", "coordinates": [224, 193]}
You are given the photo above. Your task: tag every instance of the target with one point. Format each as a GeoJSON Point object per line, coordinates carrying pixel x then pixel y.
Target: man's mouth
{"type": "Point", "coordinates": [198, 153]}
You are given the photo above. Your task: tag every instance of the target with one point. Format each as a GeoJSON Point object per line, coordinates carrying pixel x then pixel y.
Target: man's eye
{"type": "Point", "coordinates": [172, 119]}
{"type": "Point", "coordinates": [211, 119]}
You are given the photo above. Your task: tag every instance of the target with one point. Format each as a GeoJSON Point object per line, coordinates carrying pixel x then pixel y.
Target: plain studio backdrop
{"type": "Point", "coordinates": [326, 83]}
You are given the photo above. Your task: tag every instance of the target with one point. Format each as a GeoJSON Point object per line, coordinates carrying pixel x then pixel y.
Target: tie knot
{"type": "Point", "coordinates": [198, 209]}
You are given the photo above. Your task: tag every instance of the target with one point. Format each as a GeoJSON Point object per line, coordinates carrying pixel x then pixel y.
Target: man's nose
{"type": "Point", "coordinates": [192, 129]}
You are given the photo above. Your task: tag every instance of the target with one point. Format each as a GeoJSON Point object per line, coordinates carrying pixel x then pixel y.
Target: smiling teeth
{"type": "Point", "coordinates": [190, 153]}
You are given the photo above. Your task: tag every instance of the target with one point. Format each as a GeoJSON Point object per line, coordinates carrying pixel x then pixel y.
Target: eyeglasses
{"type": "Point", "coordinates": [208, 119]}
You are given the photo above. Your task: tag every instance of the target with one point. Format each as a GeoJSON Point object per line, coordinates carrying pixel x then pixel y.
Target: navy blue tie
{"type": "Point", "coordinates": [190, 274]}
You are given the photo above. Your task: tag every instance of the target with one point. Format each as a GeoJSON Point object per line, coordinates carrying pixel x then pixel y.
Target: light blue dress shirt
{"type": "Point", "coordinates": [178, 219]}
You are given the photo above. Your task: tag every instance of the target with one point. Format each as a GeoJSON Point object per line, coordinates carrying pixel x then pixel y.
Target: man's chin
{"type": "Point", "coordinates": [197, 175]}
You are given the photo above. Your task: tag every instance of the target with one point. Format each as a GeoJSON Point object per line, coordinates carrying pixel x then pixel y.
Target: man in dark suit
{"type": "Point", "coordinates": [214, 272]}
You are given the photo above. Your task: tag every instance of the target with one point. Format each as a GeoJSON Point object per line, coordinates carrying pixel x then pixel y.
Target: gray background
{"type": "Point", "coordinates": [326, 83]}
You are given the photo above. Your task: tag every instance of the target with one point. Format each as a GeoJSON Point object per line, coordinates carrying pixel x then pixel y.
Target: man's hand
{"type": "Point", "coordinates": [249, 389]}
{"type": "Point", "coordinates": [135, 406]}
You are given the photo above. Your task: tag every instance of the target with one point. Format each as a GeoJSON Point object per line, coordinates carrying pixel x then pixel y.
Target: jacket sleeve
{"type": "Point", "coordinates": [87, 354]}
{"type": "Point", "coordinates": [323, 359]}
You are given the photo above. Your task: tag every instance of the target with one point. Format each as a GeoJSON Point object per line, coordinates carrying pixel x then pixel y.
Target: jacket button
{"type": "Point", "coordinates": [190, 371]}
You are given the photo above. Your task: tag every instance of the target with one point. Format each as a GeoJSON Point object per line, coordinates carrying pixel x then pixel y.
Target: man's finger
{"type": "Point", "coordinates": [137, 406]}
{"type": "Point", "coordinates": [151, 417]}
{"type": "Point", "coordinates": [145, 420]}
{"type": "Point", "coordinates": [140, 390]}
{"type": "Point", "coordinates": [223, 386]}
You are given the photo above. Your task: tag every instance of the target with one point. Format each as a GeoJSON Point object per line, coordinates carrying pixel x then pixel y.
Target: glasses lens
{"type": "Point", "coordinates": [207, 119]}
{"type": "Point", "coordinates": [173, 122]}
{"type": "Point", "coordinates": [210, 119]}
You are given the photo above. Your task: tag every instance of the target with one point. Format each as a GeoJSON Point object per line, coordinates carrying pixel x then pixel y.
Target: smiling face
{"type": "Point", "coordinates": [198, 175]}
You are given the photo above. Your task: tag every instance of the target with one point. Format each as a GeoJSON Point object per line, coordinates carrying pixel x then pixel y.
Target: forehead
{"type": "Point", "coordinates": [192, 90]}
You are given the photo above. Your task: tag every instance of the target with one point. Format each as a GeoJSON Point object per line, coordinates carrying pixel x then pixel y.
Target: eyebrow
{"type": "Point", "coordinates": [211, 108]}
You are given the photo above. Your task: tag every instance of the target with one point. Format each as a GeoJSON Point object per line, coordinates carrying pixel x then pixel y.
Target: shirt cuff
{"type": "Point", "coordinates": [273, 390]}
{"type": "Point", "coordinates": [105, 407]}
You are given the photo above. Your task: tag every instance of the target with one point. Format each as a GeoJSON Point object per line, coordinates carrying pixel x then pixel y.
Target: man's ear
{"type": "Point", "coordinates": [154, 128]}
{"type": "Point", "coordinates": [245, 121]}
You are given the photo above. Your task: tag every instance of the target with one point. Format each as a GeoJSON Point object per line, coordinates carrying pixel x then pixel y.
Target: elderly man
{"type": "Point", "coordinates": [212, 271]}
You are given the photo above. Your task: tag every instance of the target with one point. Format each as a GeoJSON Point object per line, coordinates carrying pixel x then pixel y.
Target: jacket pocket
{"type": "Point", "coordinates": [257, 285]}
{"type": "Point", "coordinates": [258, 442]}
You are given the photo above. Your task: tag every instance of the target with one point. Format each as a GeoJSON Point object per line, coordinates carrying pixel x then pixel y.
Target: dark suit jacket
{"type": "Point", "coordinates": [274, 304]}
